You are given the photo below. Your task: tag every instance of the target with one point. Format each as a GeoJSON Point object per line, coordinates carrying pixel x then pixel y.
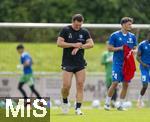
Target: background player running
{"type": "Point", "coordinates": [27, 76]}
{"type": "Point", "coordinates": [106, 60]}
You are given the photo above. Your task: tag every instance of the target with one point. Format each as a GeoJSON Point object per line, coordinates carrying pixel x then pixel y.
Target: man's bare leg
{"type": "Point", "coordinates": [80, 79]}
{"type": "Point", "coordinates": [67, 79]}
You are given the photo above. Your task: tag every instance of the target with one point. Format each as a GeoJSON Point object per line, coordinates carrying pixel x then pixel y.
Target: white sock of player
{"type": "Point", "coordinates": [108, 100]}
{"type": "Point", "coordinates": [140, 97]}
{"type": "Point", "coordinates": [121, 102]}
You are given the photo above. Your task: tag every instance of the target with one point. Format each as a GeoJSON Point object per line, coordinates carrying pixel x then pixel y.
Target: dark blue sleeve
{"type": "Point", "coordinates": [112, 40]}
{"type": "Point", "coordinates": [63, 33]}
{"type": "Point", "coordinates": [87, 35]}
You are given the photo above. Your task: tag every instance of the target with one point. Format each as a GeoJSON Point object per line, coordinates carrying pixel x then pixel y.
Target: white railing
{"type": "Point", "coordinates": [60, 25]}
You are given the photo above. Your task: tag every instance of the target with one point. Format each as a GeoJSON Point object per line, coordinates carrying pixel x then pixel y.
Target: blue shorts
{"type": "Point", "coordinates": [117, 74]}
{"type": "Point", "coordinates": [145, 74]}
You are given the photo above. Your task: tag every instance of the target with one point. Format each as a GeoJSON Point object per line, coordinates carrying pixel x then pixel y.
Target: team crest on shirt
{"type": "Point", "coordinates": [80, 36]}
{"type": "Point", "coordinates": [70, 36]}
{"type": "Point", "coordinates": [130, 40]}
{"type": "Point", "coordinates": [146, 48]}
{"type": "Point", "coordinates": [120, 38]}
{"type": "Point", "coordinates": [81, 39]}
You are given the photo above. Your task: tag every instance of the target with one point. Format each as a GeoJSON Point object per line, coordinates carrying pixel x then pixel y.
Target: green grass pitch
{"type": "Point", "coordinates": [90, 115]}
{"type": "Point", "coordinates": [100, 115]}
{"type": "Point", "coordinates": [47, 57]}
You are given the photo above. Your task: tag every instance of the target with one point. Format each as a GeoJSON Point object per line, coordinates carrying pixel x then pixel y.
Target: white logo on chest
{"type": "Point", "coordinates": [80, 36]}
{"type": "Point", "coordinates": [146, 47]}
{"type": "Point", "coordinates": [70, 36]}
{"type": "Point", "coordinates": [120, 38]}
{"type": "Point", "coordinates": [130, 40]}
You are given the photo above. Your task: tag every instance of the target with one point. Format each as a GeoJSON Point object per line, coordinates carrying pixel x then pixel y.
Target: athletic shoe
{"type": "Point", "coordinates": [78, 111]}
{"type": "Point", "coordinates": [140, 104]}
{"type": "Point", "coordinates": [120, 108]}
{"type": "Point", "coordinates": [107, 107]}
{"type": "Point", "coordinates": [112, 104]}
{"type": "Point", "coordinates": [65, 108]}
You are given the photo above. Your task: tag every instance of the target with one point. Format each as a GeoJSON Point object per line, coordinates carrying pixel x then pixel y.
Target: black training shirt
{"type": "Point", "coordinates": [72, 36]}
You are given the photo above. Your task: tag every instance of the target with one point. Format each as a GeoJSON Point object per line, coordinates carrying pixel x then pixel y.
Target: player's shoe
{"type": "Point", "coordinates": [121, 108]}
{"type": "Point", "coordinates": [107, 107]}
{"type": "Point", "coordinates": [140, 104]}
{"type": "Point", "coordinates": [78, 111]}
{"type": "Point", "coordinates": [113, 104]}
{"type": "Point", "coordinates": [65, 108]}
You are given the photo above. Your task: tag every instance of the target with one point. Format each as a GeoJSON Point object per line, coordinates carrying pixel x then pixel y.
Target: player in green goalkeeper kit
{"type": "Point", "coordinates": [106, 60]}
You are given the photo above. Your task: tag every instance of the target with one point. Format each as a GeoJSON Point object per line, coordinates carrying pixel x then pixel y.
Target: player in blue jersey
{"type": "Point", "coordinates": [143, 57]}
{"type": "Point", "coordinates": [27, 76]}
{"type": "Point", "coordinates": [116, 42]}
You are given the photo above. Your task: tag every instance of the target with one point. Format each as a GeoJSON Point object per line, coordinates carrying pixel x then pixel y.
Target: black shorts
{"type": "Point", "coordinates": [73, 69]}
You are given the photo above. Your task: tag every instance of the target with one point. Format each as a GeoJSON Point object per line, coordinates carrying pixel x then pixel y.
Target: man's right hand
{"type": "Point", "coordinates": [77, 45]}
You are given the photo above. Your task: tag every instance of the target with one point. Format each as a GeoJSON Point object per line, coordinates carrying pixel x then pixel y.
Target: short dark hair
{"type": "Point", "coordinates": [20, 46]}
{"type": "Point", "coordinates": [78, 17]}
{"type": "Point", "coordinates": [126, 19]}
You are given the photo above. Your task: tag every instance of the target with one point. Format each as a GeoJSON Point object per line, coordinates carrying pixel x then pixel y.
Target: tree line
{"type": "Point", "coordinates": [61, 11]}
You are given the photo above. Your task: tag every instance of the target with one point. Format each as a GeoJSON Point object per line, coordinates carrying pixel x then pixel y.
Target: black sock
{"type": "Point", "coordinates": [35, 92]}
{"type": "Point", "coordinates": [65, 100]}
{"type": "Point", "coordinates": [20, 87]}
{"type": "Point", "coordinates": [78, 105]}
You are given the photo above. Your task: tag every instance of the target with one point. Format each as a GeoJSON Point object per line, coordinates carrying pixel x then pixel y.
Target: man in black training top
{"type": "Point", "coordinates": [74, 39]}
